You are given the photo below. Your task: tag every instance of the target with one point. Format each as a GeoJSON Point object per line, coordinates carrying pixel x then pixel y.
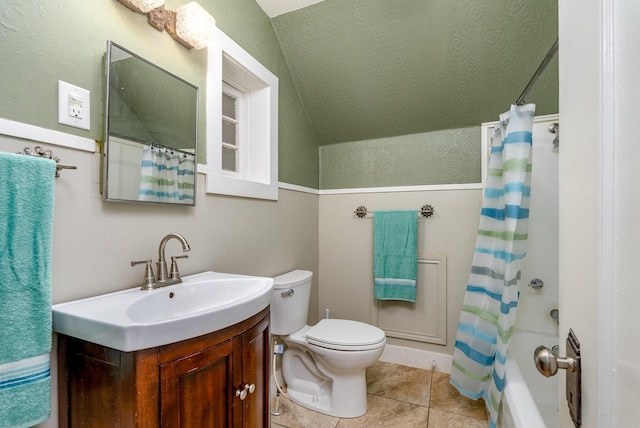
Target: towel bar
{"type": "Point", "coordinates": [42, 153]}
{"type": "Point", "coordinates": [425, 211]}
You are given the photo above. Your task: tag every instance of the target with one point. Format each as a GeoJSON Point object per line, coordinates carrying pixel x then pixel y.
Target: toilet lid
{"type": "Point", "coordinates": [345, 335]}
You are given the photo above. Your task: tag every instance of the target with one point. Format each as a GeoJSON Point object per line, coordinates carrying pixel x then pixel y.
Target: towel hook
{"type": "Point", "coordinates": [426, 211]}
{"type": "Point", "coordinates": [39, 152]}
{"type": "Point", "coordinates": [361, 211]}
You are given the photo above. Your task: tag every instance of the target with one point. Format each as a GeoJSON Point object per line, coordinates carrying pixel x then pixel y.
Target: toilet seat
{"type": "Point", "coordinates": [345, 335]}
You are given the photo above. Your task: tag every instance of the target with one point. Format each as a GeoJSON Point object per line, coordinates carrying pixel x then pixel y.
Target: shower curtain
{"type": "Point", "coordinates": [491, 299]}
{"type": "Point", "coordinates": [166, 175]}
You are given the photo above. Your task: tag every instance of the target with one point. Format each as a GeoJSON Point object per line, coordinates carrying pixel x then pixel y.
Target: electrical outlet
{"type": "Point", "coordinates": [73, 106]}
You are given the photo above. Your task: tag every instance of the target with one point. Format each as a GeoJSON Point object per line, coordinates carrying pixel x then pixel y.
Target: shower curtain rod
{"type": "Point", "coordinates": [541, 67]}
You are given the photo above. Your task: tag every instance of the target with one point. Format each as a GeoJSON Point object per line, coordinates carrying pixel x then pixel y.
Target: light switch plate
{"type": "Point", "coordinates": [74, 106]}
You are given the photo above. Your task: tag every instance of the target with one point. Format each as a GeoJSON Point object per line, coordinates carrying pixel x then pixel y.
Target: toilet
{"type": "Point", "coordinates": [323, 365]}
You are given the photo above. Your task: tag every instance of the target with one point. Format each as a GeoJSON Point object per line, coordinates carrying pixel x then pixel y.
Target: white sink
{"type": "Point", "coordinates": [132, 319]}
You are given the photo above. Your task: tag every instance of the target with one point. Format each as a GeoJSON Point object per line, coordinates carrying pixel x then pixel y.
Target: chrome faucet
{"type": "Point", "coordinates": [163, 277]}
{"type": "Point", "coordinates": [150, 281]}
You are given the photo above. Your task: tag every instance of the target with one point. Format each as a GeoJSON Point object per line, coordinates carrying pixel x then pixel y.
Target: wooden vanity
{"type": "Point", "coordinates": [217, 380]}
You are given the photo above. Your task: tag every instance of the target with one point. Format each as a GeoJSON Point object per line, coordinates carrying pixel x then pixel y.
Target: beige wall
{"type": "Point", "coordinates": [346, 250]}
{"type": "Point", "coordinates": [94, 241]}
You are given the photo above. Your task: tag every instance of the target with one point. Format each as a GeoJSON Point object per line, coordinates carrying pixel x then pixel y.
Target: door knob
{"type": "Point", "coordinates": [548, 364]}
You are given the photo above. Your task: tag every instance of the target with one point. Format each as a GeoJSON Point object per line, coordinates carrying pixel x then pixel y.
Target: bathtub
{"type": "Point", "coordinates": [529, 400]}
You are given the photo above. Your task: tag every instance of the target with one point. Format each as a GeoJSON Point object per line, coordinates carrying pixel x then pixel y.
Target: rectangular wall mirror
{"type": "Point", "coordinates": [151, 125]}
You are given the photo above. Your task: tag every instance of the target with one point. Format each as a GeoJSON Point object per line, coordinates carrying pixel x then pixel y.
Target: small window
{"type": "Point", "coordinates": [233, 101]}
{"type": "Point", "coordinates": [242, 118]}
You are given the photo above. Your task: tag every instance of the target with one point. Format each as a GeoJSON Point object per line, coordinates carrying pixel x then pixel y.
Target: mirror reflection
{"type": "Point", "coordinates": [151, 132]}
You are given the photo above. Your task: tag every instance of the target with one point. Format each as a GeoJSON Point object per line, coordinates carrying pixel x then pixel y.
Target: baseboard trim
{"type": "Point", "coordinates": [416, 358]}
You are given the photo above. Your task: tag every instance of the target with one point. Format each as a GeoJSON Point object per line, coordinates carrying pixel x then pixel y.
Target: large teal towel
{"type": "Point", "coordinates": [395, 259]}
{"type": "Point", "coordinates": [26, 229]}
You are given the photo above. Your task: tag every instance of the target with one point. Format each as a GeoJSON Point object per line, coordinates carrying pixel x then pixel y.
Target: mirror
{"type": "Point", "coordinates": [151, 125]}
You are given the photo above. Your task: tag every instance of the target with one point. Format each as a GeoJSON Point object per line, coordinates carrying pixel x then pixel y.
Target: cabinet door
{"type": "Point", "coordinates": [98, 388]}
{"type": "Point", "coordinates": [197, 390]}
{"type": "Point", "coordinates": [256, 358]}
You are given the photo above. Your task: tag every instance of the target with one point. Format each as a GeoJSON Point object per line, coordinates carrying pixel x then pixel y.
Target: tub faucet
{"type": "Point", "coordinates": [163, 277]}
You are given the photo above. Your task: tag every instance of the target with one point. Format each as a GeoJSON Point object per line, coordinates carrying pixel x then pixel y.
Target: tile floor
{"type": "Point", "coordinates": [398, 396]}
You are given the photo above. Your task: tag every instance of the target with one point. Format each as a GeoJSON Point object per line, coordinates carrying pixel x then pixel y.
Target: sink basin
{"type": "Point", "coordinates": [132, 319]}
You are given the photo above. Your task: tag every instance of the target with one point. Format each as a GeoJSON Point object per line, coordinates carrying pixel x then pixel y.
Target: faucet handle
{"type": "Point", "coordinates": [149, 279]}
{"type": "Point", "coordinates": [173, 272]}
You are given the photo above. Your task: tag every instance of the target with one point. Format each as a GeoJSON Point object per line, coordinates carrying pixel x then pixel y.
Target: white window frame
{"type": "Point", "coordinates": [258, 176]}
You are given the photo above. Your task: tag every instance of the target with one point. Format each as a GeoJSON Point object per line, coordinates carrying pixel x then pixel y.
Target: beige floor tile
{"type": "Point", "coordinates": [385, 412]}
{"type": "Point", "coordinates": [446, 398]}
{"type": "Point", "coordinates": [440, 419]}
{"type": "Point", "coordinates": [295, 416]}
{"type": "Point", "coordinates": [399, 397]}
{"type": "Point", "coordinates": [399, 382]}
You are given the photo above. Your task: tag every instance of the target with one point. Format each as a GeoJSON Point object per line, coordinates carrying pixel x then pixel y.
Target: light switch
{"type": "Point", "coordinates": [73, 105]}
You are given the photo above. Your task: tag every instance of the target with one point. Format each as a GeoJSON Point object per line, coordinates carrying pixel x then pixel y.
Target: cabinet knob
{"type": "Point", "coordinates": [244, 391]}
{"type": "Point", "coordinates": [241, 393]}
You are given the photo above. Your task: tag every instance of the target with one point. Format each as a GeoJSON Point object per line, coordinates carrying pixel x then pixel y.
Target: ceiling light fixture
{"type": "Point", "coordinates": [193, 26]}
{"type": "Point", "coordinates": [190, 25]}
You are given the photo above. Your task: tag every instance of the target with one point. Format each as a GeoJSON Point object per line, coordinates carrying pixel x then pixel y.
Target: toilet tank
{"type": "Point", "coordinates": [290, 301]}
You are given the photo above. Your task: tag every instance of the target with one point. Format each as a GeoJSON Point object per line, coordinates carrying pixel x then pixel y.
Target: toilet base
{"type": "Point", "coordinates": [346, 398]}
{"type": "Point", "coordinates": [329, 381]}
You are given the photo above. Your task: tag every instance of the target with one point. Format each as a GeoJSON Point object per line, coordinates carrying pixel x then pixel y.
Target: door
{"type": "Point", "coordinates": [255, 357]}
{"type": "Point", "coordinates": [581, 201]}
{"type": "Point", "coordinates": [196, 390]}
{"type": "Point", "coordinates": [600, 204]}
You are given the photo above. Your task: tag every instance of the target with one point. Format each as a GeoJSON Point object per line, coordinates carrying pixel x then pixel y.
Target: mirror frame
{"type": "Point", "coordinates": [105, 151]}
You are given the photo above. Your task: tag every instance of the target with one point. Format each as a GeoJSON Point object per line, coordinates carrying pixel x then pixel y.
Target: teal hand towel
{"type": "Point", "coordinates": [26, 229]}
{"type": "Point", "coordinates": [395, 259]}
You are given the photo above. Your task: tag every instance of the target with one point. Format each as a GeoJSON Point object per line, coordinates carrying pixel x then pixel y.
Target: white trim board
{"type": "Point", "coordinates": [433, 187]}
{"type": "Point", "coordinates": [417, 358]}
{"type": "Point", "coordinates": [44, 135]}
{"type": "Point", "coordinates": [422, 188]}
{"type": "Point", "coordinates": [297, 188]}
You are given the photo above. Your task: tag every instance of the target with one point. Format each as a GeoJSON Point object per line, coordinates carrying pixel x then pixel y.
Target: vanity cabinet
{"type": "Point", "coordinates": [217, 380]}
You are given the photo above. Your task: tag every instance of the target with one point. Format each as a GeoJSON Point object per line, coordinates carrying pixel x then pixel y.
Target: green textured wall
{"type": "Point", "coordinates": [368, 69]}
{"type": "Point", "coordinates": [43, 42]}
{"type": "Point", "coordinates": [438, 157]}
{"type": "Point", "coordinates": [350, 71]}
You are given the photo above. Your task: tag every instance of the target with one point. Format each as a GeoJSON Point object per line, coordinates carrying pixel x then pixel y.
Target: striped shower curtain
{"type": "Point", "coordinates": [166, 176]}
{"type": "Point", "coordinates": [491, 299]}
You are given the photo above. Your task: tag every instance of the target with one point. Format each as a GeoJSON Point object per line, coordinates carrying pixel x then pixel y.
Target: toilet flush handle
{"type": "Point", "coordinates": [287, 293]}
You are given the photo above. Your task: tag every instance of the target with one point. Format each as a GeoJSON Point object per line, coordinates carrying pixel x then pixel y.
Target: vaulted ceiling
{"type": "Point", "coordinates": [367, 69]}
